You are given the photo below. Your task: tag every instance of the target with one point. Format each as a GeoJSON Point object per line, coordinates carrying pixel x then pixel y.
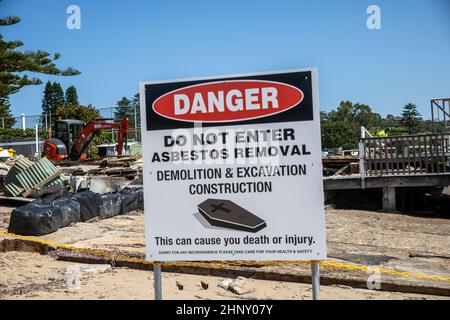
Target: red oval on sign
{"type": "Point", "coordinates": [225, 101]}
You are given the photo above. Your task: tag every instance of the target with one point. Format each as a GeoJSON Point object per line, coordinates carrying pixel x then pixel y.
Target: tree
{"type": "Point", "coordinates": [364, 117]}
{"type": "Point", "coordinates": [343, 113]}
{"type": "Point", "coordinates": [53, 98]}
{"type": "Point", "coordinates": [79, 112]}
{"type": "Point", "coordinates": [57, 97]}
{"type": "Point", "coordinates": [123, 109]}
{"type": "Point", "coordinates": [411, 118]}
{"type": "Point", "coordinates": [71, 95]}
{"type": "Point", "coordinates": [6, 118]}
{"type": "Point", "coordinates": [339, 134]}
{"type": "Point", "coordinates": [47, 99]}
{"type": "Point", "coordinates": [14, 63]}
{"type": "Point", "coordinates": [341, 127]}
{"type": "Point", "coordinates": [135, 104]}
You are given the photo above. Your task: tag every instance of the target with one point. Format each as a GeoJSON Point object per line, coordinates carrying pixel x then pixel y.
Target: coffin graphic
{"type": "Point", "coordinates": [227, 214]}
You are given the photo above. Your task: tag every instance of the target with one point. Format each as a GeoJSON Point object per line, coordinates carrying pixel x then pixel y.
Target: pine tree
{"type": "Point", "coordinates": [6, 118]}
{"type": "Point", "coordinates": [14, 63]}
{"type": "Point", "coordinates": [123, 109]}
{"type": "Point", "coordinates": [47, 99]}
{"type": "Point", "coordinates": [71, 96]}
{"type": "Point", "coordinates": [411, 118]}
{"type": "Point", "coordinates": [135, 104]}
{"type": "Point", "coordinates": [57, 97]}
{"type": "Point", "coordinates": [53, 98]}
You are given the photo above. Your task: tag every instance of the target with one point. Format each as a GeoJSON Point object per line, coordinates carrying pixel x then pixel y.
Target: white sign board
{"type": "Point", "coordinates": [232, 168]}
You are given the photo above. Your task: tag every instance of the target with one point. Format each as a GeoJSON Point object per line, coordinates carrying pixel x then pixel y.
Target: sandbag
{"type": "Point", "coordinates": [42, 217]}
{"type": "Point", "coordinates": [89, 204]}
{"type": "Point", "coordinates": [111, 205]}
{"type": "Point", "coordinates": [132, 199]}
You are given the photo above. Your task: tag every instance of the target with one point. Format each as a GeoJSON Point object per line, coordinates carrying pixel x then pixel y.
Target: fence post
{"type": "Point", "coordinates": [24, 126]}
{"type": "Point", "coordinates": [362, 169]}
{"type": "Point", "coordinates": [135, 124]}
{"type": "Point", "coordinates": [37, 140]}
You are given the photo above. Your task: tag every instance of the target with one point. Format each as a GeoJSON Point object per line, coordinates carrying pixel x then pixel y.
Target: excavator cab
{"type": "Point", "coordinates": [68, 130]}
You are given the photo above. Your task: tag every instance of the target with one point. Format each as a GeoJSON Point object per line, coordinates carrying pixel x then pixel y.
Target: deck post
{"type": "Point", "coordinates": [389, 203]}
{"type": "Point", "coordinates": [362, 169]}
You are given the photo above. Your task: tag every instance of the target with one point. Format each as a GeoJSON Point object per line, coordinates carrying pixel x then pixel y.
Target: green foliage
{"type": "Point", "coordinates": [47, 100]}
{"type": "Point", "coordinates": [123, 109]}
{"type": "Point", "coordinates": [8, 134]}
{"type": "Point", "coordinates": [411, 118]}
{"type": "Point", "coordinates": [128, 108]}
{"type": "Point", "coordinates": [79, 112]}
{"type": "Point", "coordinates": [341, 127]}
{"type": "Point", "coordinates": [71, 95]}
{"type": "Point", "coordinates": [339, 134]}
{"type": "Point", "coordinates": [103, 137]}
{"type": "Point", "coordinates": [6, 118]}
{"type": "Point", "coordinates": [14, 63]}
{"type": "Point", "coordinates": [135, 106]}
{"type": "Point", "coordinates": [52, 100]}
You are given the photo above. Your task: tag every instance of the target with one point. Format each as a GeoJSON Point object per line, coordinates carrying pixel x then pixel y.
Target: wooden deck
{"type": "Point", "coordinates": [393, 162]}
{"type": "Point", "coordinates": [350, 182]}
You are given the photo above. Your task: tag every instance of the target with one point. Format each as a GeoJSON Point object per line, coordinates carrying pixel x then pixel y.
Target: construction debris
{"type": "Point", "coordinates": [26, 176]}
{"type": "Point", "coordinates": [43, 216]}
{"type": "Point", "coordinates": [237, 286]}
{"type": "Point", "coordinates": [204, 285]}
{"type": "Point", "coordinates": [179, 285]}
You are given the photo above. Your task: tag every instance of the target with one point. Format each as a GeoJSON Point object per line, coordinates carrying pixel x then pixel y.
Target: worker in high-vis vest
{"type": "Point", "coordinates": [382, 133]}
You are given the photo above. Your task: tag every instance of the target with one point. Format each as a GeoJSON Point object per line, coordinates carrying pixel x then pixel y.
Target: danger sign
{"type": "Point", "coordinates": [232, 168]}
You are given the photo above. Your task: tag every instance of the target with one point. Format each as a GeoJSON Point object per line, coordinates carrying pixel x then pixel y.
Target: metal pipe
{"type": "Point", "coordinates": [37, 140]}
{"type": "Point", "coordinates": [315, 276]}
{"type": "Point", "coordinates": [157, 281]}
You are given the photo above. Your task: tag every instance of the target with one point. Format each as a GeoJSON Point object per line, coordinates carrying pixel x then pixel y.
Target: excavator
{"type": "Point", "coordinates": [72, 137]}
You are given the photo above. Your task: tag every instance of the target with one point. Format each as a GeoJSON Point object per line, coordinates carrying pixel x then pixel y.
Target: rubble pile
{"type": "Point", "coordinates": [65, 192]}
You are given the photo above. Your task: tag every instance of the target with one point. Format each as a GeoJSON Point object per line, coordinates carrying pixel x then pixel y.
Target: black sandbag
{"type": "Point", "coordinates": [132, 200]}
{"type": "Point", "coordinates": [89, 204]}
{"type": "Point", "coordinates": [111, 205]}
{"type": "Point", "coordinates": [42, 217]}
{"type": "Point", "coordinates": [140, 199]}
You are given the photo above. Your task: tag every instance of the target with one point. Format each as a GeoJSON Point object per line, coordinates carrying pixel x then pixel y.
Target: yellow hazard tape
{"type": "Point", "coordinates": [111, 256]}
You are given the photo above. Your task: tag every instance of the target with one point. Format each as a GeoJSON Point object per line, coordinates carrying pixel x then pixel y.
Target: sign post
{"type": "Point", "coordinates": [157, 279]}
{"type": "Point", "coordinates": [233, 169]}
{"type": "Point", "coordinates": [315, 279]}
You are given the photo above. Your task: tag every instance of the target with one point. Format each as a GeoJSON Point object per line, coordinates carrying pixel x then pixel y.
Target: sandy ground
{"type": "Point", "coordinates": [26, 275]}
{"type": "Point", "coordinates": [397, 241]}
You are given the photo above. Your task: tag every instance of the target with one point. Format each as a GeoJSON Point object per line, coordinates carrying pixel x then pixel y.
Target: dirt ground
{"type": "Point", "coordinates": [27, 275]}
{"type": "Point", "coordinates": [396, 241]}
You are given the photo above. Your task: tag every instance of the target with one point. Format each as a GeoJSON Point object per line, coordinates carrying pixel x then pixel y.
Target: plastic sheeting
{"type": "Point", "coordinates": [111, 205]}
{"type": "Point", "coordinates": [89, 204]}
{"type": "Point", "coordinates": [133, 199]}
{"type": "Point", "coordinates": [42, 217]}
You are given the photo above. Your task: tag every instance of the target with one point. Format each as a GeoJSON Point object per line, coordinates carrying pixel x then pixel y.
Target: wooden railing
{"type": "Point", "coordinates": [425, 154]}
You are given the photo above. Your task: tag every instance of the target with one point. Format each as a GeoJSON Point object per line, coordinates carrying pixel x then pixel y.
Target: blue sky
{"type": "Point", "coordinates": [123, 42]}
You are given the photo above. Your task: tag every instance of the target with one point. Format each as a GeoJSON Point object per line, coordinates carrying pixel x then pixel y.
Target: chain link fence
{"type": "Point", "coordinates": [43, 121]}
{"type": "Point", "coordinates": [19, 132]}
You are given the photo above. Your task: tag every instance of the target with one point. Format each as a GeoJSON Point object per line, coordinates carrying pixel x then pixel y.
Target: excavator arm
{"type": "Point", "coordinates": [93, 128]}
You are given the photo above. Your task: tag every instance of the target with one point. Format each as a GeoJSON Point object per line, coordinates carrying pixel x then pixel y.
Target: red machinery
{"type": "Point", "coordinates": [70, 135]}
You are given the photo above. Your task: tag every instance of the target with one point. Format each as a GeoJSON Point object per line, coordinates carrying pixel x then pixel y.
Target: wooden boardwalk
{"type": "Point", "coordinates": [394, 162]}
